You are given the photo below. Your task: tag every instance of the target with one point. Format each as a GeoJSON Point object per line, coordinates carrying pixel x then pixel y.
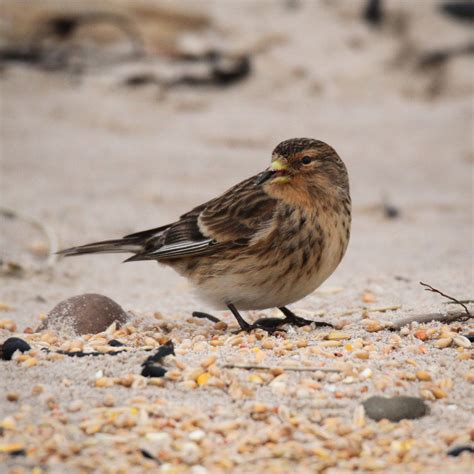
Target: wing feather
{"type": "Point", "coordinates": [232, 219]}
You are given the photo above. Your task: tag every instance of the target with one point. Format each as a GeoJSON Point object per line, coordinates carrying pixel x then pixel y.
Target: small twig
{"type": "Point", "coordinates": [426, 318]}
{"type": "Point", "coordinates": [269, 458]}
{"type": "Point", "coordinates": [383, 309]}
{"type": "Point", "coordinates": [460, 301]}
{"type": "Point", "coordinates": [290, 369]}
{"type": "Point", "coordinates": [434, 290]}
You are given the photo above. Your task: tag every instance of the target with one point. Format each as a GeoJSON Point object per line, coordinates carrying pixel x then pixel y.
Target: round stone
{"type": "Point", "coordinates": [395, 408]}
{"type": "Point", "coordinates": [84, 314]}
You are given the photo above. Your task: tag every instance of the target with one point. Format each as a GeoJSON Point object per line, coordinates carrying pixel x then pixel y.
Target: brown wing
{"type": "Point", "coordinates": [231, 219]}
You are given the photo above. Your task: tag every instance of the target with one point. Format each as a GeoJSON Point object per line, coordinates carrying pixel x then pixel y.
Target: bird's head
{"type": "Point", "coordinates": [305, 165]}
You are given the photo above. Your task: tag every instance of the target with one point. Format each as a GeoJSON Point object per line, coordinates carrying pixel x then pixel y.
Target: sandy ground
{"type": "Point", "coordinates": [94, 160]}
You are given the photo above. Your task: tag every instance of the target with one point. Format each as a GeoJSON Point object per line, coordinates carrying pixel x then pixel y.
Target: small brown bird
{"type": "Point", "coordinates": [266, 242]}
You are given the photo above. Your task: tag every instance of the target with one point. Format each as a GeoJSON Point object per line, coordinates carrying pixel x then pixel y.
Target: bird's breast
{"type": "Point", "coordinates": [289, 260]}
{"type": "Point", "coordinates": [313, 252]}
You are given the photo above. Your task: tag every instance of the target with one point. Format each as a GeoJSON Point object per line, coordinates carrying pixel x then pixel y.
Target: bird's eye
{"type": "Point", "coordinates": [306, 160]}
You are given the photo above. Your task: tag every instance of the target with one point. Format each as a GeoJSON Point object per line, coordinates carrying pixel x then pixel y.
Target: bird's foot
{"type": "Point", "coordinates": [210, 317]}
{"type": "Point", "coordinates": [270, 325]}
{"type": "Point", "coordinates": [293, 320]}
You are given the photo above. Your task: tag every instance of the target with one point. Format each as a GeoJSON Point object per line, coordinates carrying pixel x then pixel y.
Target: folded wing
{"type": "Point", "coordinates": [232, 219]}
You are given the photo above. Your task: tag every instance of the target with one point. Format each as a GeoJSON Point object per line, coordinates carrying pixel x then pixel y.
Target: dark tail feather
{"type": "Point", "coordinates": [107, 246]}
{"type": "Point", "coordinates": [138, 257]}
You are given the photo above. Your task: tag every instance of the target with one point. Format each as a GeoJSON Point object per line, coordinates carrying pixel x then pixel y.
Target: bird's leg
{"type": "Point", "coordinates": [294, 320]}
{"type": "Point", "coordinates": [244, 325]}
{"type": "Point", "coordinates": [267, 324]}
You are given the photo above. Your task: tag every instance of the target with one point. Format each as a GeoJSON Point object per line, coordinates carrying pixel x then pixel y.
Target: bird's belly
{"type": "Point", "coordinates": [285, 279]}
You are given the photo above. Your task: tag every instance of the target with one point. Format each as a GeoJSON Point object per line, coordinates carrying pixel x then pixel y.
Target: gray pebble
{"type": "Point", "coordinates": [395, 408]}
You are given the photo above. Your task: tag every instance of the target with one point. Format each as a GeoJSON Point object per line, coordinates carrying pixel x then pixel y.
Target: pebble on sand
{"type": "Point", "coordinates": [85, 314]}
{"type": "Point", "coordinates": [395, 408]}
{"type": "Point", "coordinates": [153, 371]}
{"type": "Point", "coordinates": [11, 345]}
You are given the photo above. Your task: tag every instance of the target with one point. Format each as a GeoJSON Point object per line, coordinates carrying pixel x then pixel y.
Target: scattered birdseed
{"type": "Point", "coordinates": [443, 342]}
{"type": "Point", "coordinates": [373, 326]}
{"type": "Point", "coordinates": [462, 341]}
{"type": "Point", "coordinates": [12, 396]}
{"type": "Point", "coordinates": [368, 297]}
{"type": "Point", "coordinates": [421, 335]}
{"type": "Point", "coordinates": [203, 378]}
{"type": "Point", "coordinates": [290, 404]}
{"type": "Point", "coordinates": [338, 336]}
{"type": "Point", "coordinates": [422, 375]}
{"type": "Point", "coordinates": [8, 325]}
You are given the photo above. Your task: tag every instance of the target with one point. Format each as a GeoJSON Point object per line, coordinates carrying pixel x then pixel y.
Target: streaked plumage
{"type": "Point", "coordinates": [268, 241]}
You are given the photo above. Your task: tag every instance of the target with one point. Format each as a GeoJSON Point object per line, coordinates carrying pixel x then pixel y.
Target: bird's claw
{"type": "Point", "coordinates": [272, 325]}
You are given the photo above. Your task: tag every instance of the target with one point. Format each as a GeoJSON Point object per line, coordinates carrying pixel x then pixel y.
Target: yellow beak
{"type": "Point", "coordinates": [271, 173]}
{"type": "Point", "coordinates": [279, 165]}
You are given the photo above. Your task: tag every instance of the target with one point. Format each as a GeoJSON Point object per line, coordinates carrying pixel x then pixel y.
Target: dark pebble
{"type": "Point", "coordinates": [391, 212]}
{"type": "Point", "coordinates": [85, 314]}
{"type": "Point", "coordinates": [163, 351]}
{"type": "Point", "coordinates": [395, 408]}
{"type": "Point", "coordinates": [456, 451]}
{"type": "Point", "coordinates": [147, 454]}
{"type": "Point", "coordinates": [18, 452]}
{"type": "Point", "coordinates": [11, 345]}
{"type": "Point", "coordinates": [115, 343]}
{"type": "Point", "coordinates": [469, 336]}
{"type": "Point", "coordinates": [153, 371]}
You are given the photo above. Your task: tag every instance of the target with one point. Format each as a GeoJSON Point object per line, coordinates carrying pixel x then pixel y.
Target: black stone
{"type": "Point", "coordinates": [163, 351]}
{"type": "Point", "coordinates": [147, 454]}
{"type": "Point", "coordinates": [115, 343]}
{"type": "Point", "coordinates": [391, 212]}
{"type": "Point", "coordinates": [395, 408]}
{"type": "Point", "coordinates": [11, 345]}
{"type": "Point", "coordinates": [153, 371]}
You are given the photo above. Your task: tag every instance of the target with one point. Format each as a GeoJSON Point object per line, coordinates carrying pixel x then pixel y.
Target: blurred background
{"type": "Point", "coordinates": [118, 116]}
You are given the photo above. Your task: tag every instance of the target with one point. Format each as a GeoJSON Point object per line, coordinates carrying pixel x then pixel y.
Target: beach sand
{"type": "Point", "coordinates": [93, 160]}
